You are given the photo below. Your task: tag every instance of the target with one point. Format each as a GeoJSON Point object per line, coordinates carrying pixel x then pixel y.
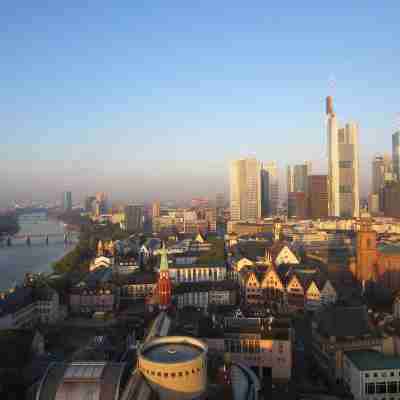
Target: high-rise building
{"type": "Point", "coordinates": [67, 201]}
{"type": "Point", "coordinates": [348, 171]}
{"type": "Point", "coordinates": [343, 193]}
{"type": "Point", "coordinates": [297, 177]}
{"type": "Point", "coordinates": [101, 204]}
{"type": "Point", "coordinates": [134, 217]}
{"type": "Point", "coordinates": [89, 200]}
{"type": "Point", "coordinates": [269, 189]}
{"type": "Point", "coordinates": [220, 200]}
{"type": "Point", "coordinates": [245, 189]}
{"type": "Point", "coordinates": [391, 200]}
{"type": "Point", "coordinates": [156, 209]}
{"type": "Point", "coordinates": [381, 172]}
{"type": "Point", "coordinates": [297, 205]}
{"type": "Point", "coordinates": [318, 196]}
{"type": "Point", "coordinates": [396, 154]}
{"type": "Point", "coordinates": [290, 179]}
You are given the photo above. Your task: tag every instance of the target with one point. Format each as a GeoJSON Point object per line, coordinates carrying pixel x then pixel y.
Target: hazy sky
{"type": "Point", "coordinates": [147, 99]}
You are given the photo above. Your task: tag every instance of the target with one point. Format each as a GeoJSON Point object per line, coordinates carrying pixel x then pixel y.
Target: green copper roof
{"type": "Point", "coordinates": [389, 248]}
{"type": "Point", "coordinates": [164, 259]}
{"type": "Point", "coordinates": [367, 360]}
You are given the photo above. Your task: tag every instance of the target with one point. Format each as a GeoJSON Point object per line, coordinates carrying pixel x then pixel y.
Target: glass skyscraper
{"type": "Point", "coordinates": [396, 154]}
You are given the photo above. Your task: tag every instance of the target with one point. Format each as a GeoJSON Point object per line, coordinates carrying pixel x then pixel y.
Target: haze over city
{"type": "Point", "coordinates": [152, 100]}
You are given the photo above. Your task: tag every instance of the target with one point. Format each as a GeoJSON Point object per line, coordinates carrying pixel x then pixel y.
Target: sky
{"type": "Point", "coordinates": [152, 99]}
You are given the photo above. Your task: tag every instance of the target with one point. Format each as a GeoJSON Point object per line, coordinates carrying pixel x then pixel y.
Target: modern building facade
{"type": "Point", "coordinates": [134, 217]}
{"type": "Point", "coordinates": [67, 201]}
{"type": "Point", "coordinates": [343, 194]}
{"type": "Point", "coordinates": [381, 172]}
{"type": "Point", "coordinates": [369, 374]}
{"type": "Point", "coordinates": [297, 177]}
{"type": "Point", "coordinates": [245, 189]}
{"type": "Point", "coordinates": [396, 154]}
{"type": "Point", "coordinates": [269, 189]}
{"type": "Point", "coordinates": [348, 171]}
{"type": "Point", "coordinates": [297, 205]}
{"type": "Point", "coordinates": [318, 196]}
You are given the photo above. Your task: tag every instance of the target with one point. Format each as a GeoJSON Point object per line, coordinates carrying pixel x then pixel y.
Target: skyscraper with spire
{"type": "Point", "coordinates": [333, 160]}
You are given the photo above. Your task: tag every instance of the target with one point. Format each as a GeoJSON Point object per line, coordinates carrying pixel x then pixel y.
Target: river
{"type": "Point", "coordinates": [17, 260]}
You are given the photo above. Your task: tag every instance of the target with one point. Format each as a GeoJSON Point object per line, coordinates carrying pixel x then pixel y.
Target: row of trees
{"type": "Point", "coordinates": [8, 224]}
{"type": "Point", "coordinates": [79, 258]}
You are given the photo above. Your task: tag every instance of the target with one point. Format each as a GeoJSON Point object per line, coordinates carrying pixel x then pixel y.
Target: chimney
{"type": "Point", "coordinates": [329, 105]}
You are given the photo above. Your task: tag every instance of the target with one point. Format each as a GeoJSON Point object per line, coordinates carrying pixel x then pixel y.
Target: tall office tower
{"type": "Point", "coordinates": [297, 205]}
{"type": "Point", "coordinates": [333, 160]}
{"type": "Point", "coordinates": [343, 191]}
{"type": "Point", "coordinates": [381, 172]}
{"type": "Point", "coordinates": [269, 189]}
{"type": "Point", "coordinates": [67, 201]}
{"type": "Point", "coordinates": [297, 177]}
{"type": "Point", "coordinates": [220, 200]}
{"type": "Point", "coordinates": [101, 203]}
{"type": "Point", "coordinates": [290, 179]}
{"type": "Point", "coordinates": [134, 217]}
{"type": "Point", "coordinates": [245, 189]}
{"type": "Point", "coordinates": [89, 203]}
{"type": "Point", "coordinates": [396, 154]}
{"type": "Point", "coordinates": [318, 196]}
{"type": "Point", "coordinates": [348, 171]}
{"type": "Point", "coordinates": [156, 209]}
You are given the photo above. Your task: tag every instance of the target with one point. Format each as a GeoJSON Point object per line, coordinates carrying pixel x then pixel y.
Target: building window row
{"type": "Point", "coordinates": [382, 387]}
{"type": "Point", "coordinates": [173, 375]}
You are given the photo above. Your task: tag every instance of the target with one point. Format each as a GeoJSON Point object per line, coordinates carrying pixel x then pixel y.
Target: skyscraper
{"type": "Point", "coordinates": [67, 201]}
{"type": "Point", "coordinates": [343, 193]}
{"type": "Point", "coordinates": [333, 160]}
{"type": "Point", "coordinates": [348, 171]}
{"type": "Point", "coordinates": [297, 177]}
{"type": "Point", "coordinates": [290, 179]}
{"type": "Point", "coordinates": [245, 189]}
{"type": "Point", "coordinates": [318, 196]}
{"type": "Point", "coordinates": [396, 154]}
{"type": "Point", "coordinates": [156, 209]}
{"type": "Point", "coordinates": [270, 188]}
{"type": "Point", "coordinates": [381, 172]}
{"type": "Point", "coordinates": [134, 217]}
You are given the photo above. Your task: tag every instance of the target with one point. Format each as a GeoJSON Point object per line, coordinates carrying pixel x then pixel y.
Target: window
{"type": "Point", "coordinates": [165, 374]}
{"type": "Point", "coordinates": [367, 375]}
{"type": "Point", "coordinates": [158, 373]}
{"type": "Point", "coordinates": [392, 387]}
{"type": "Point", "coordinates": [381, 387]}
{"type": "Point", "coordinates": [370, 388]}
{"type": "Point", "coordinates": [392, 374]}
{"type": "Point", "coordinates": [187, 373]}
{"type": "Point", "coordinates": [383, 374]}
{"type": "Point", "coordinates": [173, 375]}
{"type": "Point", "coordinates": [192, 371]}
{"type": "Point", "coordinates": [153, 373]}
{"type": "Point", "coordinates": [375, 375]}
{"type": "Point", "coordinates": [180, 374]}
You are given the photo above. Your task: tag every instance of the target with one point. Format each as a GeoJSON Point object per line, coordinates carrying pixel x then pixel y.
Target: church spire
{"type": "Point", "coordinates": [164, 259]}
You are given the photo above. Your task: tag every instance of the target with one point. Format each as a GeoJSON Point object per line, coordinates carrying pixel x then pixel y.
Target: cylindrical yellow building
{"type": "Point", "coordinates": [175, 367]}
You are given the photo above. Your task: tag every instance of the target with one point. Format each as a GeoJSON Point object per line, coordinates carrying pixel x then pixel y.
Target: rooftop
{"type": "Point", "coordinates": [172, 353]}
{"type": "Point", "coordinates": [367, 360]}
{"type": "Point", "coordinates": [344, 321]}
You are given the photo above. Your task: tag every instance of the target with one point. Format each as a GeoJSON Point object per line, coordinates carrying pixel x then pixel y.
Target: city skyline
{"type": "Point", "coordinates": [185, 88]}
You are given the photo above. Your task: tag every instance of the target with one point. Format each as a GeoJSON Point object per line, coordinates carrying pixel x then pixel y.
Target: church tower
{"type": "Point", "coordinates": [367, 253]}
{"type": "Point", "coordinates": [164, 282]}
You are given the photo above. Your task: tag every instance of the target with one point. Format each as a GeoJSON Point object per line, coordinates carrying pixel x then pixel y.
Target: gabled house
{"type": "Point", "coordinates": [281, 253]}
